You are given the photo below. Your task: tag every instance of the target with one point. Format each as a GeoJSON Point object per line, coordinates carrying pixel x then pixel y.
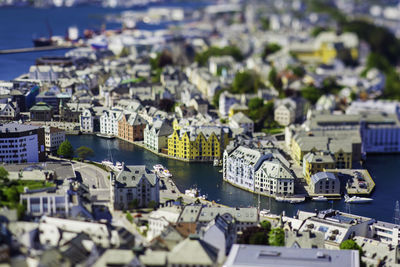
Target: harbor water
{"type": "Point", "coordinates": [383, 169]}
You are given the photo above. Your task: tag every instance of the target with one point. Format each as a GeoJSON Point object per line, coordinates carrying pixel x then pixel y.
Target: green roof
{"type": "Point", "coordinates": [41, 106]}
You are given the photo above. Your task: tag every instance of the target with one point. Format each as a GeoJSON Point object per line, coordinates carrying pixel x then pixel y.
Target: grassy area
{"type": "Point", "coordinates": [273, 130]}
{"type": "Point", "coordinates": [98, 165]}
{"type": "Point", "coordinates": [10, 191]}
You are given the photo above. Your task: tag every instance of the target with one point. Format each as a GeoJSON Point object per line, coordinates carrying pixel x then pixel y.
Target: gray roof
{"type": "Point", "coordinates": [241, 118]}
{"type": "Point", "coordinates": [268, 256]}
{"type": "Point", "coordinates": [193, 251]}
{"type": "Point", "coordinates": [323, 176]}
{"type": "Point", "coordinates": [16, 128]}
{"type": "Point", "coordinates": [131, 175]}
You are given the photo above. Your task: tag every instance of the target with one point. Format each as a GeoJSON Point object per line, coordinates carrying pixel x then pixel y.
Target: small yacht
{"type": "Point", "coordinates": [193, 192]}
{"type": "Point", "coordinates": [107, 163]}
{"type": "Point", "coordinates": [319, 199]}
{"type": "Point", "coordinates": [264, 212]}
{"type": "Point", "coordinates": [357, 200]}
{"type": "Point", "coordinates": [118, 165]}
{"type": "Point", "coordinates": [162, 171]}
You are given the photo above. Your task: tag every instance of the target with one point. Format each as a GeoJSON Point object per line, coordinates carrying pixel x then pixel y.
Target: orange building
{"type": "Point", "coordinates": [131, 127]}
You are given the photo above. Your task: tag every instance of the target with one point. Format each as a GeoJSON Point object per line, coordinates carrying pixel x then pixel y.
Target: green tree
{"type": "Point", "coordinates": [152, 204]}
{"type": "Point", "coordinates": [317, 30]}
{"type": "Point", "coordinates": [259, 238]}
{"type": "Point", "coordinates": [277, 237]}
{"type": "Point", "coordinates": [311, 93]}
{"type": "Point", "coordinates": [3, 175]}
{"type": "Point", "coordinates": [351, 245]}
{"type": "Point", "coordinates": [270, 49]}
{"type": "Point", "coordinates": [215, 100]}
{"type": "Point", "coordinates": [84, 152]}
{"type": "Point", "coordinates": [66, 150]}
{"type": "Point", "coordinates": [246, 82]}
{"type": "Point", "coordinates": [129, 217]}
{"type": "Point", "coordinates": [266, 225]}
{"type": "Point", "coordinates": [275, 81]}
{"type": "Point", "coordinates": [255, 103]}
{"type": "Point", "coordinates": [134, 204]}
{"type": "Point", "coordinates": [202, 58]}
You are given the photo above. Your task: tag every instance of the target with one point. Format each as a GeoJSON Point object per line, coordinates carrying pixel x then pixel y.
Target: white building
{"type": "Point", "coordinates": [385, 232]}
{"type": "Point", "coordinates": [135, 186]}
{"type": "Point", "coordinates": [160, 219]}
{"type": "Point", "coordinates": [374, 106]}
{"type": "Point", "coordinates": [21, 143]}
{"type": "Point", "coordinates": [86, 119]}
{"type": "Point", "coordinates": [324, 183]}
{"type": "Point", "coordinates": [109, 122]}
{"type": "Point", "coordinates": [241, 121]}
{"type": "Point", "coordinates": [273, 178]}
{"type": "Point", "coordinates": [53, 139]}
{"type": "Point", "coordinates": [156, 136]}
{"type": "Point", "coordinates": [8, 111]}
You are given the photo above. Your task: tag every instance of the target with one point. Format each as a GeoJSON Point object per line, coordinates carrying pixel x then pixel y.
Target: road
{"type": "Point", "coordinates": [92, 176]}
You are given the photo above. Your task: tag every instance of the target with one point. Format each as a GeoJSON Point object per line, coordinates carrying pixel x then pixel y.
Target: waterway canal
{"type": "Point", "coordinates": [383, 169]}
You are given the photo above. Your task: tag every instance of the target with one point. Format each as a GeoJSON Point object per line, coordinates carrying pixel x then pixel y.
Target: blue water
{"type": "Point", "coordinates": [209, 179]}
{"type": "Point", "coordinates": [19, 25]}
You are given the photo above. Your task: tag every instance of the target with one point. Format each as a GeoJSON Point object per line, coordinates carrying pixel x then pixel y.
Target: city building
{"type": "Point", "coordinates": [41, 112]}
{"type": "Point", "coordinates": [315, 162]}
{"type": "Point", "coordinates": [53, 139]}
{"type": "Point", "coordinates": [160, 219]}
{"type": "Point", "coordinates": [131, 126]}
{"type": "Point", "coordinates": [324, 183]}
{"type": "Point", "coordinates": [21, 143]}
{"type": "Point", "coordinates": [241, 121]}
{"type": "Point", "coordinates": [156, 135]}
{"type": "Point", "coordinates": [109, 122]}
{"type": "Point", "coordinates": [269, 256]}
{"type": "Point", "coordinates": [86, 121]}
{"type": "Point", "coordinates": [285, 114]}
{"type": "Point", "coordinates": [8, 111]}
{"type": "Point", "coordinates": [226, 100]}
{"type": "Point", "coordinates": [373, 106]}
{"type": "Point", "coordinates": [198, 143]}
{"type": "Point", "coordinates": [135, 186]}
{"type": "Point", "coordinates": [385, 232]}
{"type": "Point", "coordinates": [261, 171]}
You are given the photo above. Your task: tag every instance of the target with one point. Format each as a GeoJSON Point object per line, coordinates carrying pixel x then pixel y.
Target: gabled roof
{"type": "Point", "coordinates": [130, 176]}
{"type": "Point", "coordinates": [240, 117]}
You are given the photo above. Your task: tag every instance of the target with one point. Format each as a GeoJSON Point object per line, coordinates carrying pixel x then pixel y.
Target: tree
{"type": "Point", "coordinates": [246, 82]}
{"type": "Point", "coordinates": [134, 204]}
{"type": "Point", "coordinates": [255, 103]}
{"type": "Point", "coordinates": [277, 237]}
{"type": "Point", "coordinates": [311, 93]}
{"type": "Point", "coordinates": [84, 152]}
{"type": "Point", "coordinates": [66, 150]}
{"type": "Point", "coordinates": [270, 49]}
{"type": "Point", "coordinates": [259, 238]}
{"type": "Point", "coordinates": [266, 225]}
{"type": "Point", "coordinates": [3, 174]}
{"type": "Point", "coordinates": [202, 58]}
{"type": "Point", "coordinates": [129, 217]}
{"type": "Point", "coordinates": [152, 204]}
{"type": "Point", "coordinates": [274, 80]}
{"type": "Point", "coordinates": [351, 245]}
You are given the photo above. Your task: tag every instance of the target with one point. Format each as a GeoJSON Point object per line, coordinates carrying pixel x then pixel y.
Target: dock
{"type": "Point", "coordinates": [36, 49]}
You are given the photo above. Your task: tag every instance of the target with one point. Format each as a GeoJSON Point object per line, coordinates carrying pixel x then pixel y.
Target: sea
{"type": "Point", "coordinates": [20, 24]}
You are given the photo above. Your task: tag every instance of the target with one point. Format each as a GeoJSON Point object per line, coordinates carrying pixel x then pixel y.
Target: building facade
{"type": "Point", "coordinates": [21, 143]}
{"type": "Point", "coordinates": [131, 127]}
{"type": "Point", "coordinates": [324, 183]}
{"type": "Point", "coordinates": [135, 186]}
{"type": "Point", "coordinates": [86, 121]}
{"type": "Point", "coordinates": [203, 143]}
{"type": "Point", "coordinates": [109, 122]}
{"type": "Point", "coordinates": [156, 135]}
{"type": "Point", "coordinates": [53, 139]}
{"type": "Point", "coordinates": [41, 112]}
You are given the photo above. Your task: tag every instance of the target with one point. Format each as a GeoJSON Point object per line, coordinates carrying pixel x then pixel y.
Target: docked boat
{"type": "Point", "coordinates": [107, 163]}
{"type": "Point", "coordinates": [162, 171]}
{"type": "Point", "coordinates": [319, 199]}
{"type": "Point", "coordinates": [357, 200]}
{"type": "Point", "coordinates": [291, 200]}
{"type": "Point", "coordinates": [105, 136]}
{"type": "Point", "coordinates": [265, 212]}
{"type": "Point", "coordinates": [193, 192]}
{"type": "Point", "coordinates": [118, 166]}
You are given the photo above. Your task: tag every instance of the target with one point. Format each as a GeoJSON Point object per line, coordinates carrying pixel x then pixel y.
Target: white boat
{"type": "Point", "coordinates": [193, 192]}
{"type": "Point", "coordinates": [290, 200]}
{"type": "Point", "coordinates": [162, 171]}
{"type": "Point", "coordinates": [356, 199]}
{"type": "Point", "coordinates": [118, 165]}
{"type": "Point", "coordinates": [265, 212]}
{"type": "Point", "coordinates": [107, 163]}
{"type": "Point", "coordinates": [319, 199]}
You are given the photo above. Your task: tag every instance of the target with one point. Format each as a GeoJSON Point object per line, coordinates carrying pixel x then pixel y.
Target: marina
{"type": "Point", "coordinates": [209, 179]}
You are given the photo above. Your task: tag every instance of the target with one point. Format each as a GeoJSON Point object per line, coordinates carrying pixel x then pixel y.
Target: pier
{"type": "Point", "coordinates": [36, 49]}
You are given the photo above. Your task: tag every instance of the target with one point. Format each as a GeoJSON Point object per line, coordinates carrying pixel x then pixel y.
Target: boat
{"type": "Point", "coordinates": [44, 41]}
{"type": "Point", "coordinates": [264, 212]}
{"type": "Point", "coordinates": [319, 199]}
{"type": "Point", "coordinates": [107, 163]}
{"type": "Point", "coordinates": [118, 165]}
{"type": "Point", "coordinates": [193, 192]}
{"type": "Point", "coordinates": [290, 200]}
{"type": "Point", "coordinates": [105, 136]}
{"type": "Point", "coordinates": [162, 171]}
{"type": "Point", "coordinates": [357, 200]}
{"type": "Point", "coordinates": [98, 42]}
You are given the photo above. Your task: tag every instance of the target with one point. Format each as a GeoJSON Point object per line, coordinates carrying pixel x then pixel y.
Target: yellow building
{"type": "Point", "coordinates": [205, 143]}
{"type": "Point", "coordinates": [326, 47]}
{"type": "Point", "coordinates": [315, 162]}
